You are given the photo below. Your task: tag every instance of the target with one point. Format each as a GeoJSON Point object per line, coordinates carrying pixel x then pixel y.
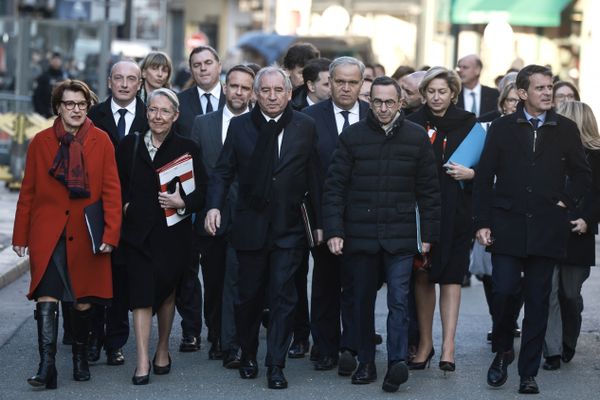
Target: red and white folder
{"type": "Point", "coordinates": [181, 169]}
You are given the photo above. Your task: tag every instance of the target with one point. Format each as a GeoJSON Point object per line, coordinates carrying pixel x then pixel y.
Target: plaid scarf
{"type": "Point", "coordinates": [68, 166]}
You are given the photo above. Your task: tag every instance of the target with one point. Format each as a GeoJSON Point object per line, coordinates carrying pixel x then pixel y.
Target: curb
{"type": "Point", "coordinates": [11, 266]}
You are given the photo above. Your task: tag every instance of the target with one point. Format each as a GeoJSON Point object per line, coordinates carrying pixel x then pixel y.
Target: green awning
{"type": "Point", "coordinates": [516, 12]}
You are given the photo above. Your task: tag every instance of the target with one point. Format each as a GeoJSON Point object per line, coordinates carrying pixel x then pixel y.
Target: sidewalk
{"type": "Point", "coordinates": [11, 266]}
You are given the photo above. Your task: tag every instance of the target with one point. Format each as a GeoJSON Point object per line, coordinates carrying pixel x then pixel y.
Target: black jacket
{"type": "Point", "coordinates": [189, 108]}
{"type": "Point", "coordinates": [516, 191]}
{"type": "Point", "coordinates": [295, 173]}
{"type": "Point", "coordinates": [373, 184]}
{"type": "Point", "coordinates": [299, 101]}
{"type": "Point", "coordinates": [102, 116]}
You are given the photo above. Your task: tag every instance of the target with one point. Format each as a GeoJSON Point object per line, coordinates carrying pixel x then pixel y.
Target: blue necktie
{"type": "Point", "coordinates": [346, 121]}
{"type": "Point", "coordinates": [121, 123]}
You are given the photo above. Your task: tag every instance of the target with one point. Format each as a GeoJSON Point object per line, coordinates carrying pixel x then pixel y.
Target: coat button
{"type": "Point", "coordinates": [274, 179]}
{"type": "Point", "coordinates": [70, 238]}
{"type": "Point", "coordinates": [528, 215]}
{"type": "Point", "coordinates": [67, 212]}
{"type": "Point", "coordinates": [529, 189]}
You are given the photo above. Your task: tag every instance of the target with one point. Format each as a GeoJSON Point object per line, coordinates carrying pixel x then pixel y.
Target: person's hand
{"type": "Point", "coordinates": [318, 235]}
{"type": "Point", "coordinates": [579, 226]}
{"type": "Point", "coordinates": [425, 247]}
{"type": "Point", "coordinates": [484, 237]}
{"type": "Point", "coordinates": [212, 222]}
{"type": "Point", "coordinates": [106, 248]}
{"type": "Point", "coordinates": [171, 200]}
{"type": "Point", "coordinates": [561, 204]}
{"type": "Point", "coordinates": [459, 172]}
{"type": "Point", "coordinates": [336, 244]}
{"type": "Point", "coordinates": [21, 251]}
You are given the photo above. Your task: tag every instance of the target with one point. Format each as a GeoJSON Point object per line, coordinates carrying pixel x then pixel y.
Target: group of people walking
{"type": "Point", "coordinates": [283, 163]}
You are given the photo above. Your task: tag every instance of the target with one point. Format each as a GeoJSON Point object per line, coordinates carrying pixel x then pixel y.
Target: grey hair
{"type": "Point", "coordinates": [168, 93]}
{"type": "Point", "coordinates": [346, 60]}
{"type": "Point", "coordinates": [272, 69]}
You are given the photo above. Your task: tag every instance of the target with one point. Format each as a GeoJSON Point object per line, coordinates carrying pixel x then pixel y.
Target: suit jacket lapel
{"type": "Point", "coordinates": [289, 133]}
{"type": "Point", "coordinates": [329, 119]}
{"type": "Point", "coordinates": [108, 120]}
{"type": "Point", "coordinates": [140, 122]}
{"type": "Point", "coordinates": [214, 133]}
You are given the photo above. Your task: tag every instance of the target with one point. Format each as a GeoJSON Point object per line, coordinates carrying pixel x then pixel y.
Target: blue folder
{"type": "Point", "coordinates": [469, 151]}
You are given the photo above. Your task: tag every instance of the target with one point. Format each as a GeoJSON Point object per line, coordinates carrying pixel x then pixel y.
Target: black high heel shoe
{"type": "Point", "coordinates": [141, 380]}
{"type": "Point", "coordinates": [423, 364]}
{"type": "Point", "coordinates": [161, 370]}
{"type": "Point", "coordinates": [447, 366]}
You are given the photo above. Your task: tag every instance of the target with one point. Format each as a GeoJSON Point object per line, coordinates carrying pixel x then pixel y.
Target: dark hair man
{"type": "Point", "coordinates": [296, 58]}
{"type": "Point", "coordinates": [316, 84]}
{"type": "Point", "coordinates": [520, 205]}
{"type": "Point", "coordinates": [475, 97]}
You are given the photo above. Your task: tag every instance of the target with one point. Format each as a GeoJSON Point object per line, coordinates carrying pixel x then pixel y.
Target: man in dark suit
{"type": "Point", "coordinates": [520, 205]}
{"type": "Point", "coordinates": [475, 97]}
{"type": "Point", "coordinates": [123, 113]}
{"type": "Point", "coordinates": [217, 258]}
{"type": "Point", "coordinates": [204, 97]}
{"type": "Point", "coordinates": [276, 163]}
{"type": "Point", "coordinates": [316, 84]}
{"type": "Point", "coordinates": [332, 116]}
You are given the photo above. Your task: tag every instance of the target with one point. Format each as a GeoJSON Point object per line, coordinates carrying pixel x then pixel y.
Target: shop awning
{"type": "Point", "coordinates": [515, 12]}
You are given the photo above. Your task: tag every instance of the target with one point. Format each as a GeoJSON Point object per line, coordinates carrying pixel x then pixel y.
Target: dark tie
{"type": "Point", "coordinates": [121, 123]}
{"type": "Point", "coordinates": [532, 137]}
{"type": "Point", "coordinates": [474, 103]}
{"type": "Point", "coordinates": [208, 104]}
{"type": "Point", "coordinates": [346, 121]}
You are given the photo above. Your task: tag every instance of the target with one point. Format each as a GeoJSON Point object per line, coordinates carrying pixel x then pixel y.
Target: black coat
{"type": "Point", "coordinates": [102, 116]}
{"type": "Point", "coordinates": [373, 184]}
{"type": "Point", "coordinates": [516, 190]}
{"type": "Point", "coordinates": [299, 101]}
{"type": "Point", "coordinates": [189, 108]}
{"type": "Point", "coordinates": [295, 173]}
{"type": "Point", "coordinates": [488, 101]}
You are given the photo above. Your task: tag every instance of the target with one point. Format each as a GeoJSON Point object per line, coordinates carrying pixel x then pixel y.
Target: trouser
{"type": "Point", "coordinates": [188, 298]}
{"type": "Point", "coordinates": [536, 284]}
{"type": "Point", "coordinates": [213, 255]}
{"type": "Point", "coordinates": [364, 271]}
{"type": "Point", "coordinates": [229, 339]}
{"type": "Point", "coordinates": [301, 317]}
{"type": "Point", "coordinates": [566, 306]}
{"type": "Point", "coordinates": [488, 289]}
{"type": "Point", "coordinates": [272, 269]}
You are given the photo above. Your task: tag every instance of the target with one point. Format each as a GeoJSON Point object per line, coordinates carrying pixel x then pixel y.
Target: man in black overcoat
{"type": "Point", "coordinates": [521, 213]}
{"type": "Point", "coordinates": [272, 151]}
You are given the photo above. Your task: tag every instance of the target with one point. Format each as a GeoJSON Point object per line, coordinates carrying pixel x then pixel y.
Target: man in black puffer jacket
{"type": "Point", "coordinates": [382, 169]}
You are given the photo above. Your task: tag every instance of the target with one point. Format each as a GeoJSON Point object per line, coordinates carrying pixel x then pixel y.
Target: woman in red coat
{"type": "Point", "coordinates": [69, 166]}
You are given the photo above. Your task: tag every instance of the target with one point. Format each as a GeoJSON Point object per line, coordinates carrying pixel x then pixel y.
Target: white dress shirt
{"type": "Point", "coordinates": [468, 99]}
{"type": "Point", "coordinates": [227, 115]}
{"type": "Point", "coordinates": [129, 116]}
{"type": "Point", "coordinates": [353, 116]}
{"type": "Point", "coordinates": [215, 96]}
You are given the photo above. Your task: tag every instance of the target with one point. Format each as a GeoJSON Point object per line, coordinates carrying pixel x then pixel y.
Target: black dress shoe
{"type": "Point", "coordinates": [94, 349]}
{"type": "Point", "coordinates": [298, 349]}
{"type": "Point", "coordinates": [326, 363]}
{"type": "Point", "coordinates": [498, 371]}
{"type": "Point", "coordinates": [189, 344]}
{"type": "Point", "coordinates": [248, 369]}
{"type": "Point", "coordinates": [115, 357]}
{"type": "Point", "coordinates": [276, 379]}
{"type": "Point", "coordinates": [314, 353]}
{"type": "Point", "coordinates": [396, 375]}
{"type": "Point", "coordinates": [567, 354]}
{"type": "Point", "coordinates": [346, 363]}
{"type": "Point", "coordinates": [365, 373]}
{"type": "Point", "coordinates": [528, 385]}
{"type": "Point", "coordinates": [378, 339]}
{"type": "Point", "coordinates": [161, 370]}
{"type": "Point", "coordinates": [551, 363]}
{"type": "Point", "coordinates": [141, 380]}
{"type": "Point", "coordinates": [215, 352]}
{"type": "Point", "coordinates": [264, 320]}
{"type": "Point", "coordinates": [231, 359]}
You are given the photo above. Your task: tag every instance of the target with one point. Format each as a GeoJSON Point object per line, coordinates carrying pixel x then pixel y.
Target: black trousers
{"type": "Point", "coordinates": [331, 293]}
{"type": "Point", "coordinates": [301, 317]}
{"type": "Point", "coordinates": [229, 340]}
{"type": "Point", "coordinates": [213, 256]}
{"type": "Point", "coordinates": [188, 298]}
{"type": "Point", "coordinates": [536, 285]}
{"type": "Point", "coordinates": [271, 269]}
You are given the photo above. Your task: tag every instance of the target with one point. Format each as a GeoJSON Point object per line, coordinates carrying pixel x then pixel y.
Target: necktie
{"type": "Point", "coordinates": [208, 107]}
{"type": "Point", "coordinates": [346, 121]}
{"type": "Point", "coordinates": [474, 104]}
{"type": "Point", "coordinates": [533, 136]}
{"type": "Point", "coordinates": [121, 123]}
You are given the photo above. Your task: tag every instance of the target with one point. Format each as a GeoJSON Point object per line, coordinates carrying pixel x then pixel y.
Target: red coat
{"type": "Point", "coordinates": [44, 210]}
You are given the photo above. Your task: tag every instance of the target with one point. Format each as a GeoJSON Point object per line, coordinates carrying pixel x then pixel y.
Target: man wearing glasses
{"type": "Point", "coordinates": [382, 169]}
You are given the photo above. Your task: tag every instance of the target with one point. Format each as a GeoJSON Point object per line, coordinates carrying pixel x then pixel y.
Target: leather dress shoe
{"type": "Point", "coordinates": [365, 373]}
{"type": "Point", "coordinates": [161, 370]}
{"type": "Point", "coordinates": [326, 363]}
{"type": "Point", "coordinates": [396, 375]}
{"type": "Point", "coordinates": [551, 363]}
{"type": "Point", "coordinates": [231, 358]}
{"type": "Point", "coordinates": [94, 349]}
{"type": "Point", "coordinates": [528, 385]}
{"type": "Point", "coordinates": [275, 378]}
{"type": "Point", "coordinates": [314, 353]}
{"type": "Point", "coordinates": [264, 319]}
{"type": "Point", "coordinates": [115, 357]}
{"type": "Point", "coordinates": [567, 353]}
{"type": "Point", "coordinates": [141, 380]}
{"type": "Point", "coordinates": [346, 363]}
{"type": "Point", "coordinates": [378, 339]}
{"type": "Point", "coordinates": [298, 349]}
{"type": "Point", "coordinates": [189, 344]}
{"type": "Point", "coordinates": [248, 369]}
{"type": "Point", "coordinates": [498, 371]}
{"type": "Point", "coordinates": [215, 352]}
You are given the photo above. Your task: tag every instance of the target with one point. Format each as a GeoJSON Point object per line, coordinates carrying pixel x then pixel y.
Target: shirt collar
{"type": "Point", "coordinates": [227, 114]}
{"type": "Point", "coordinates": [216, 91]}
{"type": "Point", "coordinates": [309, 101]}
{"type": "Point", "coordinates": [541, 117]}
{"type": "Point", "coordinates": [114, 107]}
{"type": "Point", "coordinates": [354, 110]}
{"type": "Point", "coordinates": [476, 90]}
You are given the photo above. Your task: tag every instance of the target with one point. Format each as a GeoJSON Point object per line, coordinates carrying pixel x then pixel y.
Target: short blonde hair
{"type": "Point", "coordinates": [583, 116]}
{"type": "Point", "coordinates": [159, 59]}
{"type": "Point", "coordinates": [450, 76]}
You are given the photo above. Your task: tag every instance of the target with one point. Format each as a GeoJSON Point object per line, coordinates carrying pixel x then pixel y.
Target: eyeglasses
{"type": "Point", "coordinates": [69, 105]}
{"type": "Point", "coordinates": [389, 103]}
{"type": "Point", "coordinates": [163, 111]}
{"type": "Point", "coordinates": [130, 78]}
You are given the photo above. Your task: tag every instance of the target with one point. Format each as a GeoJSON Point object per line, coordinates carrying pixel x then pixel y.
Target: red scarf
{"type": "Point", "coordinates": [68, 166]}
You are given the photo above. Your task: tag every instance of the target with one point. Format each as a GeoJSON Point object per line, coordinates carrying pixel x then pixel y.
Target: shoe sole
{"type": "Point", "coordinates": [346, 364]}
{"type": "Point", "coordinates": [188, 349]}
{"type": "Point", "coordinates": [396, 376]}
{"type": "Point", "coordinates": [301, 355]}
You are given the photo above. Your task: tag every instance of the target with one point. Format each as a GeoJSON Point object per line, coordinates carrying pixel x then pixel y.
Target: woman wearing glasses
{"type": "Point", "coordinates": [156, 254]}
{"type": "Point", "coordinates": [69, 167]}
{"type": "Point", "coordinates": [447, 127]}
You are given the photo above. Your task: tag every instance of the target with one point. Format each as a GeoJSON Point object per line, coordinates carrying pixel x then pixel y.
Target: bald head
{"type": "Point", "coordinates": [410, 90]}
{"type": "Point", "coordinates": [124, 82]}
{"type": "Point", "coordinates": [469, 70]}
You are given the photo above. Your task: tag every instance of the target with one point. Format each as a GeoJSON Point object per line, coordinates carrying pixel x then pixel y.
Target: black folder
{"type": "Point", "coordinates": [308, 220]}
{"type": "Point", "coordinates": [94, 219]}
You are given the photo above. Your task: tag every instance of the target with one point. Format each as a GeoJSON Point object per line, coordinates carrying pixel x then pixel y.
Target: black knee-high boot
{"type": "Point", "coordinates": [46, 314]}
{"type": "Point", "coordinates": [81, 321]}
